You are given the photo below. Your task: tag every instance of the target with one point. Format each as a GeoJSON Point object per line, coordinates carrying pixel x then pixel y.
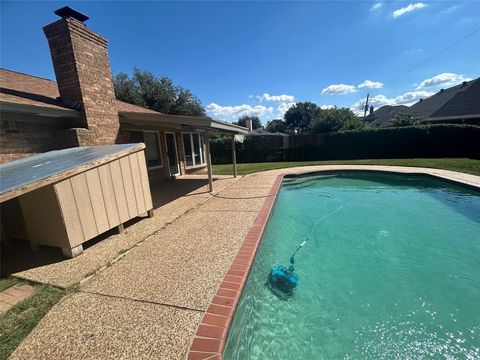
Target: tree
{"type": "Point", "coordinates": [276, 125]}
{"type": "Point", "coordinates": [187, 104]}
{"type": "Point", "coordinates": [299, 117]}
{"type": "Point", "coordinates": [159, 94]}
{"type": "Point", "coordinates": [402, 119]}
{"type": "Point", "coordinates": [126, 89]}
{"type": "Point", "coordinates": [333, 120]}
{"type": "Point", "coordinates": [242, 121]}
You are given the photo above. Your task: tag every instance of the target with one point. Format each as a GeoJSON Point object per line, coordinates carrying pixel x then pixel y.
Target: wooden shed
{"type": "Point", "coordinates": [66, 197]}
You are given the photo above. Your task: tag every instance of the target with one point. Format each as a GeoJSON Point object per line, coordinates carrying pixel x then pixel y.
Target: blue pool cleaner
{"type": "Point", "coordinates": [282, 280]}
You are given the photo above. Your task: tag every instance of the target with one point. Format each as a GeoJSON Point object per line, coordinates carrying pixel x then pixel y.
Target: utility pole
{"type": "Point", "coordinates": [366, 107]}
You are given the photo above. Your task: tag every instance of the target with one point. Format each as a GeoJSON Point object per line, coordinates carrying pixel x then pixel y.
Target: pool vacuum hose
{"type": "Point", "coordinates": [282, 280]}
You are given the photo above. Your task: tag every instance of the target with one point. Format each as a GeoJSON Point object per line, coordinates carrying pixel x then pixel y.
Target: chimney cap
{"type": "Point", "coordinates": [67, 11]}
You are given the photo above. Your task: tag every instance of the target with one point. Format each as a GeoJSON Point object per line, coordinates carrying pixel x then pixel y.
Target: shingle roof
{"type": "Point", "coordinates": [466, 102]}
{"type": "Point", "coordinates": [25, 89]}
{"type": "Point", "coordinates": [446, 99]}
{"type": "Point", "coordinates": [459, 100]}
{"type": "Point", "coordinates": [383, 116]}
{"type": "Point", "coordinates": [126, 107]}
{"type": "Point", "coordinates": [19, 88]}
{"type": "Point", "coordinates": [263, 132]}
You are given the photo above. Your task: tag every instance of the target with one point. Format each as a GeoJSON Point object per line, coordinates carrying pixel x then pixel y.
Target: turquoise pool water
{"type": "Point", "coordinates": [393, 274]}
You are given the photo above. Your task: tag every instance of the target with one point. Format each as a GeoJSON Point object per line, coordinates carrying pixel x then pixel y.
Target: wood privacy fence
{"type": "Point", "coordinates": [407, 142]}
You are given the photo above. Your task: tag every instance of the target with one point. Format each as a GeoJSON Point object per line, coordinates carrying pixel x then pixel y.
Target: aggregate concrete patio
{"type": "Point", "coordinates": [171, 200]}
{"type": "Point", "coordinates": [150, 301]}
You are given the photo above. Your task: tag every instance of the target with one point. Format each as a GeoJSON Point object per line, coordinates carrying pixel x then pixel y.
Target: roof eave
{"type": "Point", "coordinates": [38, 110]}
{"type": "Point", "coordinates": [453, 117]}
{"type": "Point", "coordinates": [204, 123]}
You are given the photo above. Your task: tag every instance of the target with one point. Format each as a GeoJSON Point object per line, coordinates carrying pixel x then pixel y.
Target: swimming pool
{"type": "Point", "coordinates": [392, 272]}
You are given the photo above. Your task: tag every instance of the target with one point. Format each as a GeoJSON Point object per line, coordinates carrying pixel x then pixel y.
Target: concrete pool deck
{"type": "Point", "coordinates": [150, 302]}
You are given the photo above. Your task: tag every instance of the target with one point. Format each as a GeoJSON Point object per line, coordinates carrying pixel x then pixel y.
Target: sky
{"type": "Point", "coordinates": [259, 58]}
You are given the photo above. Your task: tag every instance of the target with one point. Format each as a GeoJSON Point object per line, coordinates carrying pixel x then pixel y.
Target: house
{"type": "Point", "coordinates": [91, 183]}
{"type": "Point", "coordinates": [383, 116]}
{"type": "Point", "coordinates": [263, 132]}
{"type": "Point", "coordinates": [80, 108]}
{"type": "Point", "coordinates": [458, 104]}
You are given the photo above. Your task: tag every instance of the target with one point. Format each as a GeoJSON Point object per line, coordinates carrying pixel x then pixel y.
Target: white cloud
{"type": "Point", "coordinates": [371, 84]}
{"type": "Point", "coordinates": [377, 101]}
{"type": "Point", "coordinates": [283, 107]}
{"type": "Point", "coordinates": [326, 107]}
{"type": "Point", "coordinates": [376, 6]}
{"type": "Point", "coordinates": [407, 9]}
{"type": "Point", "coordinates": [339, 89]}
{"type": "Point", "coordinates": [277, 98]}
{"type": "Point", "coordinates": [443, 79]}
{"type": "Point", "coordinates": [233, 112]}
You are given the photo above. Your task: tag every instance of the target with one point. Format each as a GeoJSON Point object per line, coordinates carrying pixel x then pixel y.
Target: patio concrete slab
{"type": "Point", "coordinates": [218, 184]}
{"type": "Point", "coordinates": [235, 199]}
{"type": "Point", "coordinates": [255, 180]}
{"type": "Point", "coordinates": [86, 326]}
{"type": "Point", "coordinates": [181, 265]}
{"type": "Point", "coordinates": [67, 272]}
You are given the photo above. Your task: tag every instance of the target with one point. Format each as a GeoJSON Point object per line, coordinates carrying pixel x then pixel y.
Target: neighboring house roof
{"type": "Point", "coordinates": [466, 102]}
{"type": "Point", "coordinates": [458, 102]}
{"type": "Point", "coordinates": [383, 116]}
{"type": "Point", "coordinates": [449, 98]}
{"type": "Point", "coordinates": [23, 89]}
{"type": "Point", "coordinates": [263, 132]}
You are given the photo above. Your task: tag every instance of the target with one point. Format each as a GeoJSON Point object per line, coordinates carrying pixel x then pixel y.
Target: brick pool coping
{"type": "Point", "coordinates": [209, 340]}
{"type": "Point", "coordinates": [211, 335]}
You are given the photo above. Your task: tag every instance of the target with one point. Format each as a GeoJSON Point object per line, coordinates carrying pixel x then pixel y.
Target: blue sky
{"type": "Point", "coordinates": [258, 58]}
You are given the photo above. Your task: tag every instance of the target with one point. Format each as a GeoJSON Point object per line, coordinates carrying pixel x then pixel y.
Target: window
{"type": "Point", "coordinates": [187, 147]}
{"type": "Point", "coordinates": [193, 149]}
{"type": "Point", "coordinates": [153, 154]}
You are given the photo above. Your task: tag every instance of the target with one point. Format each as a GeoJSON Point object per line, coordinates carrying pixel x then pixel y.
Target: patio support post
{"type": "Point", "coordinates": [209, 164]}
{"type": "Point", "coordinates": [234, 157]}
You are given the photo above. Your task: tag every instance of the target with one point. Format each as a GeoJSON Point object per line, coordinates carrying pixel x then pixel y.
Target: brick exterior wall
{"type": "Point", "coordinates": [84, 79]}
{"type": "Point", "coordinates": [23, 135]}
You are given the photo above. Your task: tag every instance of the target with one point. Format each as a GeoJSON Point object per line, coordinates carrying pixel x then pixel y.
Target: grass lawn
{"type": "Point", "coordinates": [17, 322]}
{"type": "Point", "coordinates": [8, 282]}
{"type": "Point", "coordinates": [468, 166]}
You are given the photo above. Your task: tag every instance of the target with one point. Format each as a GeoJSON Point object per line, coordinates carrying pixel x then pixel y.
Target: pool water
{"type": "Point", "coordinates": [392, 272]}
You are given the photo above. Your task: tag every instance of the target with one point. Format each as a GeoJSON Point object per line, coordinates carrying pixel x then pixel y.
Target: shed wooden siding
{"type": "Point", "coordinates": [104, 197]}
{"type": "Point", "coordinates": [43, 223]}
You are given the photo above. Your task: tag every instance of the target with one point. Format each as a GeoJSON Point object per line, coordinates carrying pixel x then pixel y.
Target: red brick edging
{"type": "Point", "coordinates": [209, 340]}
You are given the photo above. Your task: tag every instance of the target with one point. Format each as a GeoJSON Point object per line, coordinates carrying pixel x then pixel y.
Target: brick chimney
{"type": "Point", "coordinates": [84, 78]}
{"type": "Point", "coordinates": [249, 124]}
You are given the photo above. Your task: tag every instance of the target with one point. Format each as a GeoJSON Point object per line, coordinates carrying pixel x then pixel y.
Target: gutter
{"type": "Point", "coordinates": [39, 110]}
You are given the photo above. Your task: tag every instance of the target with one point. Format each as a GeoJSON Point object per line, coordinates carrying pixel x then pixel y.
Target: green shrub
{"type": "Point", "coordinates": [427, 141]}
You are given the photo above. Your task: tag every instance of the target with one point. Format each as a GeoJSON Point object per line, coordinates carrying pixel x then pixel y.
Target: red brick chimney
{"type": "Point", "coordinates": [84, 78]}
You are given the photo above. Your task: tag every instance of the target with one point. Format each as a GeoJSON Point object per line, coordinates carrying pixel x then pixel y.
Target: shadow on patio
{"type": "Point", "coordinates": [165, 191]}
{"type": "Point", "coordinates": [17, 255]}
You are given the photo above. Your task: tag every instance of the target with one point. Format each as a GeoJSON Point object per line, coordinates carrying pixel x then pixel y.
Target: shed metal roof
{"type": "Point", "coordinates": [24, 175]}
